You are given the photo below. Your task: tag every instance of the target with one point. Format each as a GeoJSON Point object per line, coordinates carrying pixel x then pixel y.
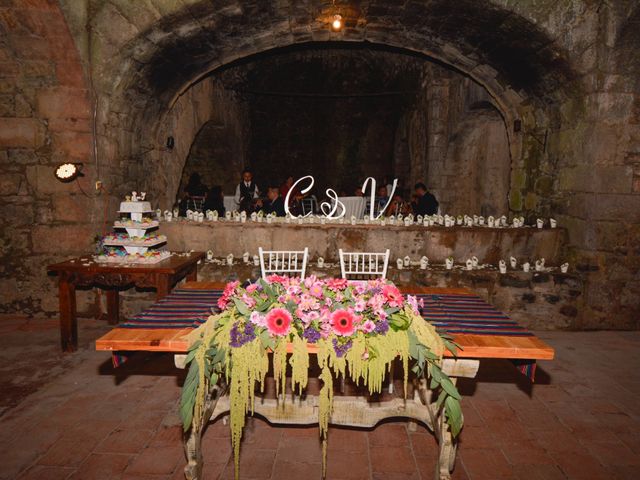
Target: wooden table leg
{"type": "Point", "coordinates": [113, 306]}
{"type": "Point", "coordinates": [192, 276]}
{"type": "Point", "coordinates": [163, 285]}
{"type": "Point", "coordinates": [68, 319]}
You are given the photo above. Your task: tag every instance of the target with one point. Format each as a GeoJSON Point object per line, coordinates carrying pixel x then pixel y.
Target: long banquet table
{"type": "Point", "coordinates": [481, 331]}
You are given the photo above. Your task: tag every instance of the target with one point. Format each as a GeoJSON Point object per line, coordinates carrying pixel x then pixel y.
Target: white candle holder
{"type": "Point", "coordinates": [526, 266]}
{"type": "Point", "coordinates": [189, 215]}
{"type": "Point", "coordinates": [176, 213]}
{"type": "Point", "coordinates": [513, 262]}
{"type": "Point", "coordinates": [200, 217]}
{"type": "Point", "coordinates": [227, 215]}
{"type": "Point", "coordinates": [564, 268]}
{"type": "Point", "coordinates": [320, 262]}
{"type": "Point", "coordinates": [469, 264]}
{"type": "Point", "coordinates": [230, 259]}
{"type": "Point", "coordinates": [256, 261]}
{"type": "Point", "coordinates": [424, 263]}
{"type": "Point", "coordinates": [407, 261]}
{"type": "Point", "coordinates": [502, 266]}
{"type": "Point", "coordinates": [209, 254]}
{"type": "Point", "coordinates": [540, 223]}
{"type": "Point", "coordinates": [553, 222]}
{"type": "Point", "coordinates": [491, 222]}
{"type": "Point", "coordinates": [399, 263]}
{"type": "Point", "coordinates": [448, 263]}
{"type": "Point", "coordinates": [254, 217]}
{"type": "Point", "coordinates": [245, 257]}
{"type": "Point", "coordinates": [475, 261]}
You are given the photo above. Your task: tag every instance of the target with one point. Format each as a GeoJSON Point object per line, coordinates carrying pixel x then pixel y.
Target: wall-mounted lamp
{"type": "Point", "coordinates": [336, 24]}
{"type": "Point", "coordinates": [68, 172]}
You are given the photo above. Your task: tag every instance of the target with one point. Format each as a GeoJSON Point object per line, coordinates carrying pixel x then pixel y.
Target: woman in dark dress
{"type": "Point", "coordinates": [215, 200]}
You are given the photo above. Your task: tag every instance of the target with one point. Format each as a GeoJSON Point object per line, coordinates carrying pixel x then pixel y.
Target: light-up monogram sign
{"type": "Point", "coordinates": [334, 209]}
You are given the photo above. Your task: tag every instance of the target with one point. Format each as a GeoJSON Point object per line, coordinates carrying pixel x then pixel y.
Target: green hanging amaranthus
{"type": "Point", "coordinates": [356, 329]}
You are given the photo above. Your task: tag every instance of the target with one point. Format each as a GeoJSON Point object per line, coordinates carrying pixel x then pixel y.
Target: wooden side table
{"type": "Point", "coordinates": [84, 271]}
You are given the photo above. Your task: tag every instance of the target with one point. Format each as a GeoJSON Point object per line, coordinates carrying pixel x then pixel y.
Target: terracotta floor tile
{"type": "Point", "coordinates": [347, 440]}
{"type": "Point", "coordinates": [398, 459]}
{"type": "Point", "coordinates": [347, 465]}
{"type": "Point", "coordinates": [297, 470]}
{"type": "Point", "coordinates": [392, 434]}
{"type": "Point", "coordinates": [580, 466]}
{"type": "Point", "coordinates": [258, 464]}
{"type": "Point", "coordinates": [102, 466]}
{"type": "Point", "coordinates": [42, 472]}
{"type": "Point", "coordinates": [126, 440]}
{"type": "Point", "coordinates": [157, 461]}
{"type": "Point", "coordinates": [300, 449]}
{"type": "Point", "coordinates": [486, 463]}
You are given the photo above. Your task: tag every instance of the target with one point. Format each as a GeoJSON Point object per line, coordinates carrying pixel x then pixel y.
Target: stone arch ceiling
{"type": "Point", "coordinates": [173, 44]}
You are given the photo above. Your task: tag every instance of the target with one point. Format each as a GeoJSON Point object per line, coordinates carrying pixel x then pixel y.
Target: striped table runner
{"type": "Point", "coordinates": [449, 313]}
{"type": "Point", "coordinates": [182, 308]}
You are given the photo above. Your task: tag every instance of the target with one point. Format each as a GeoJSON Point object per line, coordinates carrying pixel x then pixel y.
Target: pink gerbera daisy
{"type": "Point", "coordinates": [342, 322]}
{"type": "Point", "coordinates": [393, 295]}
{"type": "Point", "coordinates": [278, 321]}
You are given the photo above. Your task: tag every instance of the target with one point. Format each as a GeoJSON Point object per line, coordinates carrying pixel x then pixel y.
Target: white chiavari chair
{"type": "Point", "coordinates": [283, 262]}
{"type": "Point", "coordinates": [364, 265]}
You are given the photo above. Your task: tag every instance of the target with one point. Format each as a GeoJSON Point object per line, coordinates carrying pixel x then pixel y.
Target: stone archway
{"type": "Point", "coordinates": [166, 51]}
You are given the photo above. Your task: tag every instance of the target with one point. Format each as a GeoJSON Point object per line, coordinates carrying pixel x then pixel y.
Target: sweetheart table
{"type": "Point", "coordinates": [479, 330]}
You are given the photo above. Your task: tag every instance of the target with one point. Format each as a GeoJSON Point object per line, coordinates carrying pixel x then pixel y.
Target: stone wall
{"type": "Point", "coordinates": [563, 76]}
{"type": "Point", "coordinates": [219, 150]}
{"type": "Point", "coordinates": [45, 119]}
{"type": "Point", "coordinates": [490, 245]}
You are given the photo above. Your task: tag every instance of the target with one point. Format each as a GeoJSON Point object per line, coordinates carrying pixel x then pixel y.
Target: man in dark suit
{"type": "Point", "coordinates": [273, 204]}
{"type": "Point", "coordinates": [426, 203]}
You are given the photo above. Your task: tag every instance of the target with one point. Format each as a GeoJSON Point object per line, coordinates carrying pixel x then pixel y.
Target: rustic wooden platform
{"type": "Point", "coordinates": [474, 346]}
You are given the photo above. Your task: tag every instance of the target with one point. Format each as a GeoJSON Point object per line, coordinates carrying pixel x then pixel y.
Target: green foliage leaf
{"type": "Point", "coordinates": [267, 340]}
{"type": "Point", "coordinates": [454, 415]}
{"type": "Point", "coordinates": [242, 307]}
{"type": "Point", "coordinates": [399, 321]}
{"type": "Point", "coordinates": [448, 386]}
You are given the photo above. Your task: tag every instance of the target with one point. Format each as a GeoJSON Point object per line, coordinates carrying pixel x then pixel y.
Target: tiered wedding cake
{"type": "Point", "coordinates": [140, 243]}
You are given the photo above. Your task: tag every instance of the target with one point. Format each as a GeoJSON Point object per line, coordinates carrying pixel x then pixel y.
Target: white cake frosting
{"type": "Point", "coordinates": [135, 207]}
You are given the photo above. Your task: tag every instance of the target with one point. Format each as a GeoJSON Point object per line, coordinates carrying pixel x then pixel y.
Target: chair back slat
{"type": "Point", "coordinates": [364, 264]}
{"type": "Point", "coordinates": [283, 262]}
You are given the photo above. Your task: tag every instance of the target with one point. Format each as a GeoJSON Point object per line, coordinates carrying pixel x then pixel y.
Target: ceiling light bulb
{"type": "Point", "coordinates": [337, 22]}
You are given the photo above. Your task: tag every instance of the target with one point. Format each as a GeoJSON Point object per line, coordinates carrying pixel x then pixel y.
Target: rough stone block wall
{"type": "Point", "coordinates": [45, 118]}
{"type": "Point", "coordinates": [566, 71]}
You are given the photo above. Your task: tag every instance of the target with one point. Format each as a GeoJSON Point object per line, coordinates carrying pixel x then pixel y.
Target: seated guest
{"type": "Point", "coordinates": [398, 206]}
{"type": "Point", "coordinates": [273, 204]}
{"type": "Point", "coordinates": [215, 200]}
{"type": "Point", "coordinates": [381, 199]}
{"type": "Point", "coordinates": [246, 192]}
{"type": "Point", "coordinates": [286, 186]}
{"type": "Point", "coordinates": [194, 193]}
{"type": "Point", "coordinates": [425, 202]}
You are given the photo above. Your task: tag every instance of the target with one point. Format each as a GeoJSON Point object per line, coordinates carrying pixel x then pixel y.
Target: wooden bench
{"type": "Point", "coordinates": [348, 410]}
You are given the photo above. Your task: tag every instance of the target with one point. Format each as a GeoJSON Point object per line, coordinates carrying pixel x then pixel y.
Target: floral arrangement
{"type": "Point", "coordinates": [355, 328]}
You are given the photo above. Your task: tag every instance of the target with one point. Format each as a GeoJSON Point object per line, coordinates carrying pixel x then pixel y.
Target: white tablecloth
{"type": "Point", "coordinates": [354, 206]}
{"type": "Point", "coordinates": [230, 203]}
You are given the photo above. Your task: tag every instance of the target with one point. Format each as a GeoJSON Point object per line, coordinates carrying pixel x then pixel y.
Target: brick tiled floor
{"type": "Point", "coordinates": [74, 417]}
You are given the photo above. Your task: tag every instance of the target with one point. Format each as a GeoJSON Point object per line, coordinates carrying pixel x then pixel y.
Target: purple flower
{"type": "Point", "coordinates": [341, 349]}
{"type": "Point", "coordinates": [311, 334]}
{"type": "Point", "coordinates": [240, 337]}
{"type": "Point", "coordinates": [382, 327]}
